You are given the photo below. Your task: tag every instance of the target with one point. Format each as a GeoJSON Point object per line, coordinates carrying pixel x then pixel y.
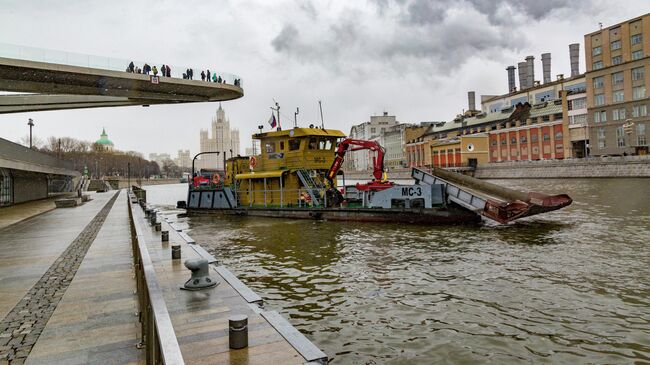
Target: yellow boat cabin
{"type": "Point", "coordinates": [289, 172]}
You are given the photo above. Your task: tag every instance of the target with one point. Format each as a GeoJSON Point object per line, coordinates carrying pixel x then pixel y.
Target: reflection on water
{"type": "Point", "coordinates": [568, 287]}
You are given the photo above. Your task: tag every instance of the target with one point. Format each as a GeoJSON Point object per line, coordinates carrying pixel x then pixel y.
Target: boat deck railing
{"type": "Point", "coordinates": [158, 336]}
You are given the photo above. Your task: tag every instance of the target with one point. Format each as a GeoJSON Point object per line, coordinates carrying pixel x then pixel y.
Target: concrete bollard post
{"type": "Point", "coordinates": [152, 218]}
{"type": "Point", "coordinates": [164, 236]}
{"type": "Point", "coordinates": [238, 333]}
{"type": "Point", "coordinates": [176, 252]}
{"type": "Point", "coordinates": [158, 226]}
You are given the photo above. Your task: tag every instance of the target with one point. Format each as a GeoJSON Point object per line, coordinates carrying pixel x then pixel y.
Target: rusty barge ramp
{"type": "Point", "coordinates": [492, 201]}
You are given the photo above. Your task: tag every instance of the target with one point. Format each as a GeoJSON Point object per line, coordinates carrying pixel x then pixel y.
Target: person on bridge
{"type": "Point", "coordinates": [169, 71]}
{"type": "Point", "coordinates": [208, 77]}
{"type": "Point", "coordinates": [163, 71]}
{"type": "Point", "coordinates": [146, 69]}
{"type": "Point", "coordinates": [214, 77]}
{"type": "Point", "coordinates": [131, 67]}
{"type": "Point", "coordinates": [155, 70]}
{"type": "Point", "coordinates": [202, 75]}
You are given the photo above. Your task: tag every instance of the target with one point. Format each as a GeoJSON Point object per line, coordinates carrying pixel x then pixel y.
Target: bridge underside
{"type": "Point", "coordinates": [57, 86]}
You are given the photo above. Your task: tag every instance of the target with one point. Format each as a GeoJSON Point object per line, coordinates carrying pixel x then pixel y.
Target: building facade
{"type": "Point", "coordinates": [370, 131]}
{"type": "Point", "coordinates": [618, 72]}
{"type": "Point", "coordinates": [222, 139]}
{"type": "Point", "coordinates": [184, 160]}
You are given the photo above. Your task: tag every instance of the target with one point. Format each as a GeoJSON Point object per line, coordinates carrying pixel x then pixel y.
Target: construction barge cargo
{"type": "Point", "coordinates": [296, 176]}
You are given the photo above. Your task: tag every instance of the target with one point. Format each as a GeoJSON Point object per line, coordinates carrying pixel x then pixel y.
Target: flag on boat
{"type": "Point", "coordinates": [272, 121]}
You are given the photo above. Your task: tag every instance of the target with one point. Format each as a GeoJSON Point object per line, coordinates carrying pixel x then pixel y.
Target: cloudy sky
{"type": "Point", "coordinates": [415, 59]}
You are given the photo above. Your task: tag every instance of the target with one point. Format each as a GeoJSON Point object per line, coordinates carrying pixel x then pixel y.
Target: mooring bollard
{"type": "Point", "coordinates": [152, 218]}
{"type": "Point", "coordinates": [200, 278]}
{"type": "Point", "coordinates": [147, 212]}
{"type": "Point", "coordinates": [238, 333]}
{"type": "Point", "coordinates": [158, 226]}
{"type": "Point", "coordinates": [164, 236]}
{"type": "Point", "coordinates": [176, 252]}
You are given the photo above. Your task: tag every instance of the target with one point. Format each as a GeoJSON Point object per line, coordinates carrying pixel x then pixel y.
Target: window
{"type": "Point", "coordinates": [640, 134]}
{"type": "Point", "coordinates": [281, 145]}
{"type": "Point", "coordinates": [524, 139]}
{"type": "Point", "coordinates": [579, 103]}
{"type": "Point", "coordinates": [598, 65]}
{"type": "Point", "coordinates": [618, 114]}
{"type": "Point", "coordinates": [638, 73]}
{"type": "Point", "coordinates": [533, 137]}
{"type": "Point", "coordinates": [578, 119]}
{"type": "Point", "coordinates": [547, 137]}
{"type": "Point", "coordinates": [513, 140]}
{"type": "Point", "coordinates": [596, 51]}
{"type": "Point", "coordinates": [373, 130]}
{"type": "Point", "coordinates": [504, 141]}
{"type": "Point", "coordinates": [641, 141]}
{"type": "Point", "coordinates": [601, 138]}
{"type": "Point", "coordinates": [599, 82]}
{"type": "Point", "coordinates": [600, 117]}
{"type": "Point", "coordinates": [617, 60]}
{"type": "Point", "coordinates": [615, 45]}
{"type": "Point", "coordinates": [639, 111]}
{"type": "Point", "coordinates": [638, 92]}
{"type": "Point", "coordinates": [599, 99]}
{"type": "Point", "coordinates": [617, 79]}
{"type": "Point", "coordinates": [636, 39]}
{"type": "Point", "coordinates": [637, 55]}
{"type": "Point", "coordinates": [494, 142]}
{"type": "Point", "coordinates": [620, 136]}
{"type": "Point", "coordinates": [558, 135]}
{"type": "Point", "coordinates": [618, 96]}
{"type": "Point", "coordinates": [294, 144]}
{"type": "Point", "coordinates": [313, 144]}
{"type": "Point", "coordinates": [270, 147]}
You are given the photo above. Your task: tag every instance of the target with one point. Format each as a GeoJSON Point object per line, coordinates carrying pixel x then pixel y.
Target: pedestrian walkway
{"type": "Point", "coordinates": [19, 212]}
{"type": "Point", "coordinates": [95, 322]}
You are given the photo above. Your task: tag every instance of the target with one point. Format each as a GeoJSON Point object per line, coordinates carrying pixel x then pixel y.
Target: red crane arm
{"type": "Point", "coordinates": [378, 161]}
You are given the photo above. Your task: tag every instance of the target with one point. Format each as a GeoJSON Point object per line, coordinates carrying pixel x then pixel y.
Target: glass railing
{"type": "Point", "coordinates": [112, 64]}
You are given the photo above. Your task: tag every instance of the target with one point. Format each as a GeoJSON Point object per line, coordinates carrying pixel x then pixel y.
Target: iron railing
{"type": "Point", "coordinates": [158, 336]}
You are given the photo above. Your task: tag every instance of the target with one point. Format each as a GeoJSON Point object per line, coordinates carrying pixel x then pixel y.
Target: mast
{"type": "Point", "coordinates": [320, 106]}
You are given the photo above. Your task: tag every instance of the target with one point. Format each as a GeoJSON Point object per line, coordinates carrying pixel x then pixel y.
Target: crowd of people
{"type": "Point", "coordinates": [165, 71]}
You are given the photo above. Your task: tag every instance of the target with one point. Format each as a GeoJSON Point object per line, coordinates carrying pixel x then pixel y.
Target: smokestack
{"type": "Point", "coordinates": [574, 54]}
{"type": "Point", "coordinates": [471, 99]}
{"type": "Point", "coordinates": [523, 79]}
{"type": "Point", "coordinates": [530, 71]}
{"type": "Point", "coordinates": [511, 78]}
{"type": "Point", "coordinates": [546, 67]}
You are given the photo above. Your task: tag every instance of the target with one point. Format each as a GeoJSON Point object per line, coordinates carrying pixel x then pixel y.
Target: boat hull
{"type": "Point", "coordinates": [443, 216]}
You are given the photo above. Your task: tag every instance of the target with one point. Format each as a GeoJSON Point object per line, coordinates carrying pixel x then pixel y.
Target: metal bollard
{"type": "Point", "coordinates": [158, 226]}
{"type": "Point", "coordinates": [164, 236]}
{"type": "Point", "coordinates": [153, 217]}
{"type": "Point", "coordinates": [147, 212]}
{"type": "Point", "coordinates": [238, 333]}
{"type": "Point", "coordinates": [176, 252]}
{"type": "Point", "coordinates": [200, 275]}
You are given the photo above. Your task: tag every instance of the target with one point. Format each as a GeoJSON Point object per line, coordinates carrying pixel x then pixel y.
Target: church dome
{"type": "Point", "coordinates": [103, 140]}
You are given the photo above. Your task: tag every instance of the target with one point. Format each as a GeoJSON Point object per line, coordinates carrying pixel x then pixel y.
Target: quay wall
{"type": "Point", "coordinates": [124, 183]}
{"type": "Point", "coordinates": [593, 167]}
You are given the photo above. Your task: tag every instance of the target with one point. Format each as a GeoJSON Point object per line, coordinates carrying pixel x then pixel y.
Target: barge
{"type": "Point", "coordinates": [297, 172]}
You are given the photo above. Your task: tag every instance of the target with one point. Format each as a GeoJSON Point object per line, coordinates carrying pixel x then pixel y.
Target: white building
{"type": "Point", "coordinates": [159, 158]}
{"type": "Point", "coordinates": [369, 131]}
{"type": "Point", "coordinates": [184, 161]}
{"type": "Point", "coordinates": [222, 140]}
{"type": "Point", "coordinates": [393, 140]}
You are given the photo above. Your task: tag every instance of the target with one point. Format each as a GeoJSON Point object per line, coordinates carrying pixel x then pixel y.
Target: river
{"type": "Point", "coordinates": [567, 287]}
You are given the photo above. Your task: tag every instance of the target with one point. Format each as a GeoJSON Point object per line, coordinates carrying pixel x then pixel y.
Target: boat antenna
{"type": "Point", "coordinates": [277, 109]}
{"type": "Point", "coordinates": [320, 106]}
{"type": "Point", "coordinates": [295, 117]}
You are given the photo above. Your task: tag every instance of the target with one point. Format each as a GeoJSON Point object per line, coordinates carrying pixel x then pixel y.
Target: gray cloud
{"type": "Point", "coordinates": [286, 39]}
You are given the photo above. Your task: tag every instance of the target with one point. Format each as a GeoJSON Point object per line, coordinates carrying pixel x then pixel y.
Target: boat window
{"type": "Point", "coordinates": [270, 147]}
{"type": "Point", "coordinates": [294, 144]}
{"type": "Point", "coordinates": [328, 144]}
{"type": "Point", "coordinates": [313, 143]}
{"type": "Point", "coordinates": [321, 144]}
{"type": "Point", "coordinates": [281, 145]}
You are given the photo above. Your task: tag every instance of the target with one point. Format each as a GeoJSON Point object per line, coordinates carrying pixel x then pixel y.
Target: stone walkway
{"type": "Point", "coordinates": [73, 268]}
{"type": "Point", "coordinates": [16, 213]}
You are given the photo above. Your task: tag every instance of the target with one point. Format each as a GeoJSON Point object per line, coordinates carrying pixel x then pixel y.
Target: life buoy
{"type": "Point", "coordinates": [252, 162]}
{"type": "Point", "coordinates": [216, 178]}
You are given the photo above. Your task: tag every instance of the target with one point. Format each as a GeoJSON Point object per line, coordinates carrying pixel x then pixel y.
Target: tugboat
{"type": "Point", "coordinates": [296, 174]}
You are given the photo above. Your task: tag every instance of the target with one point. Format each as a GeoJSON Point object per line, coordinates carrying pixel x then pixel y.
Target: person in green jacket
{"type": "Point", "coordinates": [155, 70]}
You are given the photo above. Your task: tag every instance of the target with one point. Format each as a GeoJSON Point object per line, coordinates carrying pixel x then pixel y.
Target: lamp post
{"type": "Point", "coordinates": [30, 123]}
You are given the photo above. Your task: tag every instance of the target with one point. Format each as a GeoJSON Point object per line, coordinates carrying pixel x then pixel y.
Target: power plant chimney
{"type": "Point", "coordinates": [530, 71]}
{"type": "Point", "coordinates": [471, 99]}
{"type": "Point", "coordinates": [523, 79]}
{"type": "Point", "coordinates": [546, 67]}
{"type": "Point", "coordinates": [511, 78]}
{"type": "Point", "coordinates": [574, 54]}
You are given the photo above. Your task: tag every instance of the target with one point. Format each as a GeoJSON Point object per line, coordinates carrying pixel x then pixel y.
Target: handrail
{"type": "Point", "coordinates": [158, 333]}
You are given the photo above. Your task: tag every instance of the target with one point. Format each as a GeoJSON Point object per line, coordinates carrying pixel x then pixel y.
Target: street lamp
{"type": "Point", "coordinates": [30, 123]}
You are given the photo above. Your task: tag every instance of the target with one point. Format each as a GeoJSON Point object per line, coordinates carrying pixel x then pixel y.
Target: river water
{"type": "Point", "coordinates": [567, 287]}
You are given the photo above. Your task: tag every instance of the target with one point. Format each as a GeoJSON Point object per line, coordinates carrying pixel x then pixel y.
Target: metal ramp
{"type": "Point", "coordinates": [489, 200]}
{"type": "Point", "coordinates": [313, 187]}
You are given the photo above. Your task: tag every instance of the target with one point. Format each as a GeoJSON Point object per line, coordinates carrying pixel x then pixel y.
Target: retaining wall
{"type": "Point", "coordinates": [628, 166]}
